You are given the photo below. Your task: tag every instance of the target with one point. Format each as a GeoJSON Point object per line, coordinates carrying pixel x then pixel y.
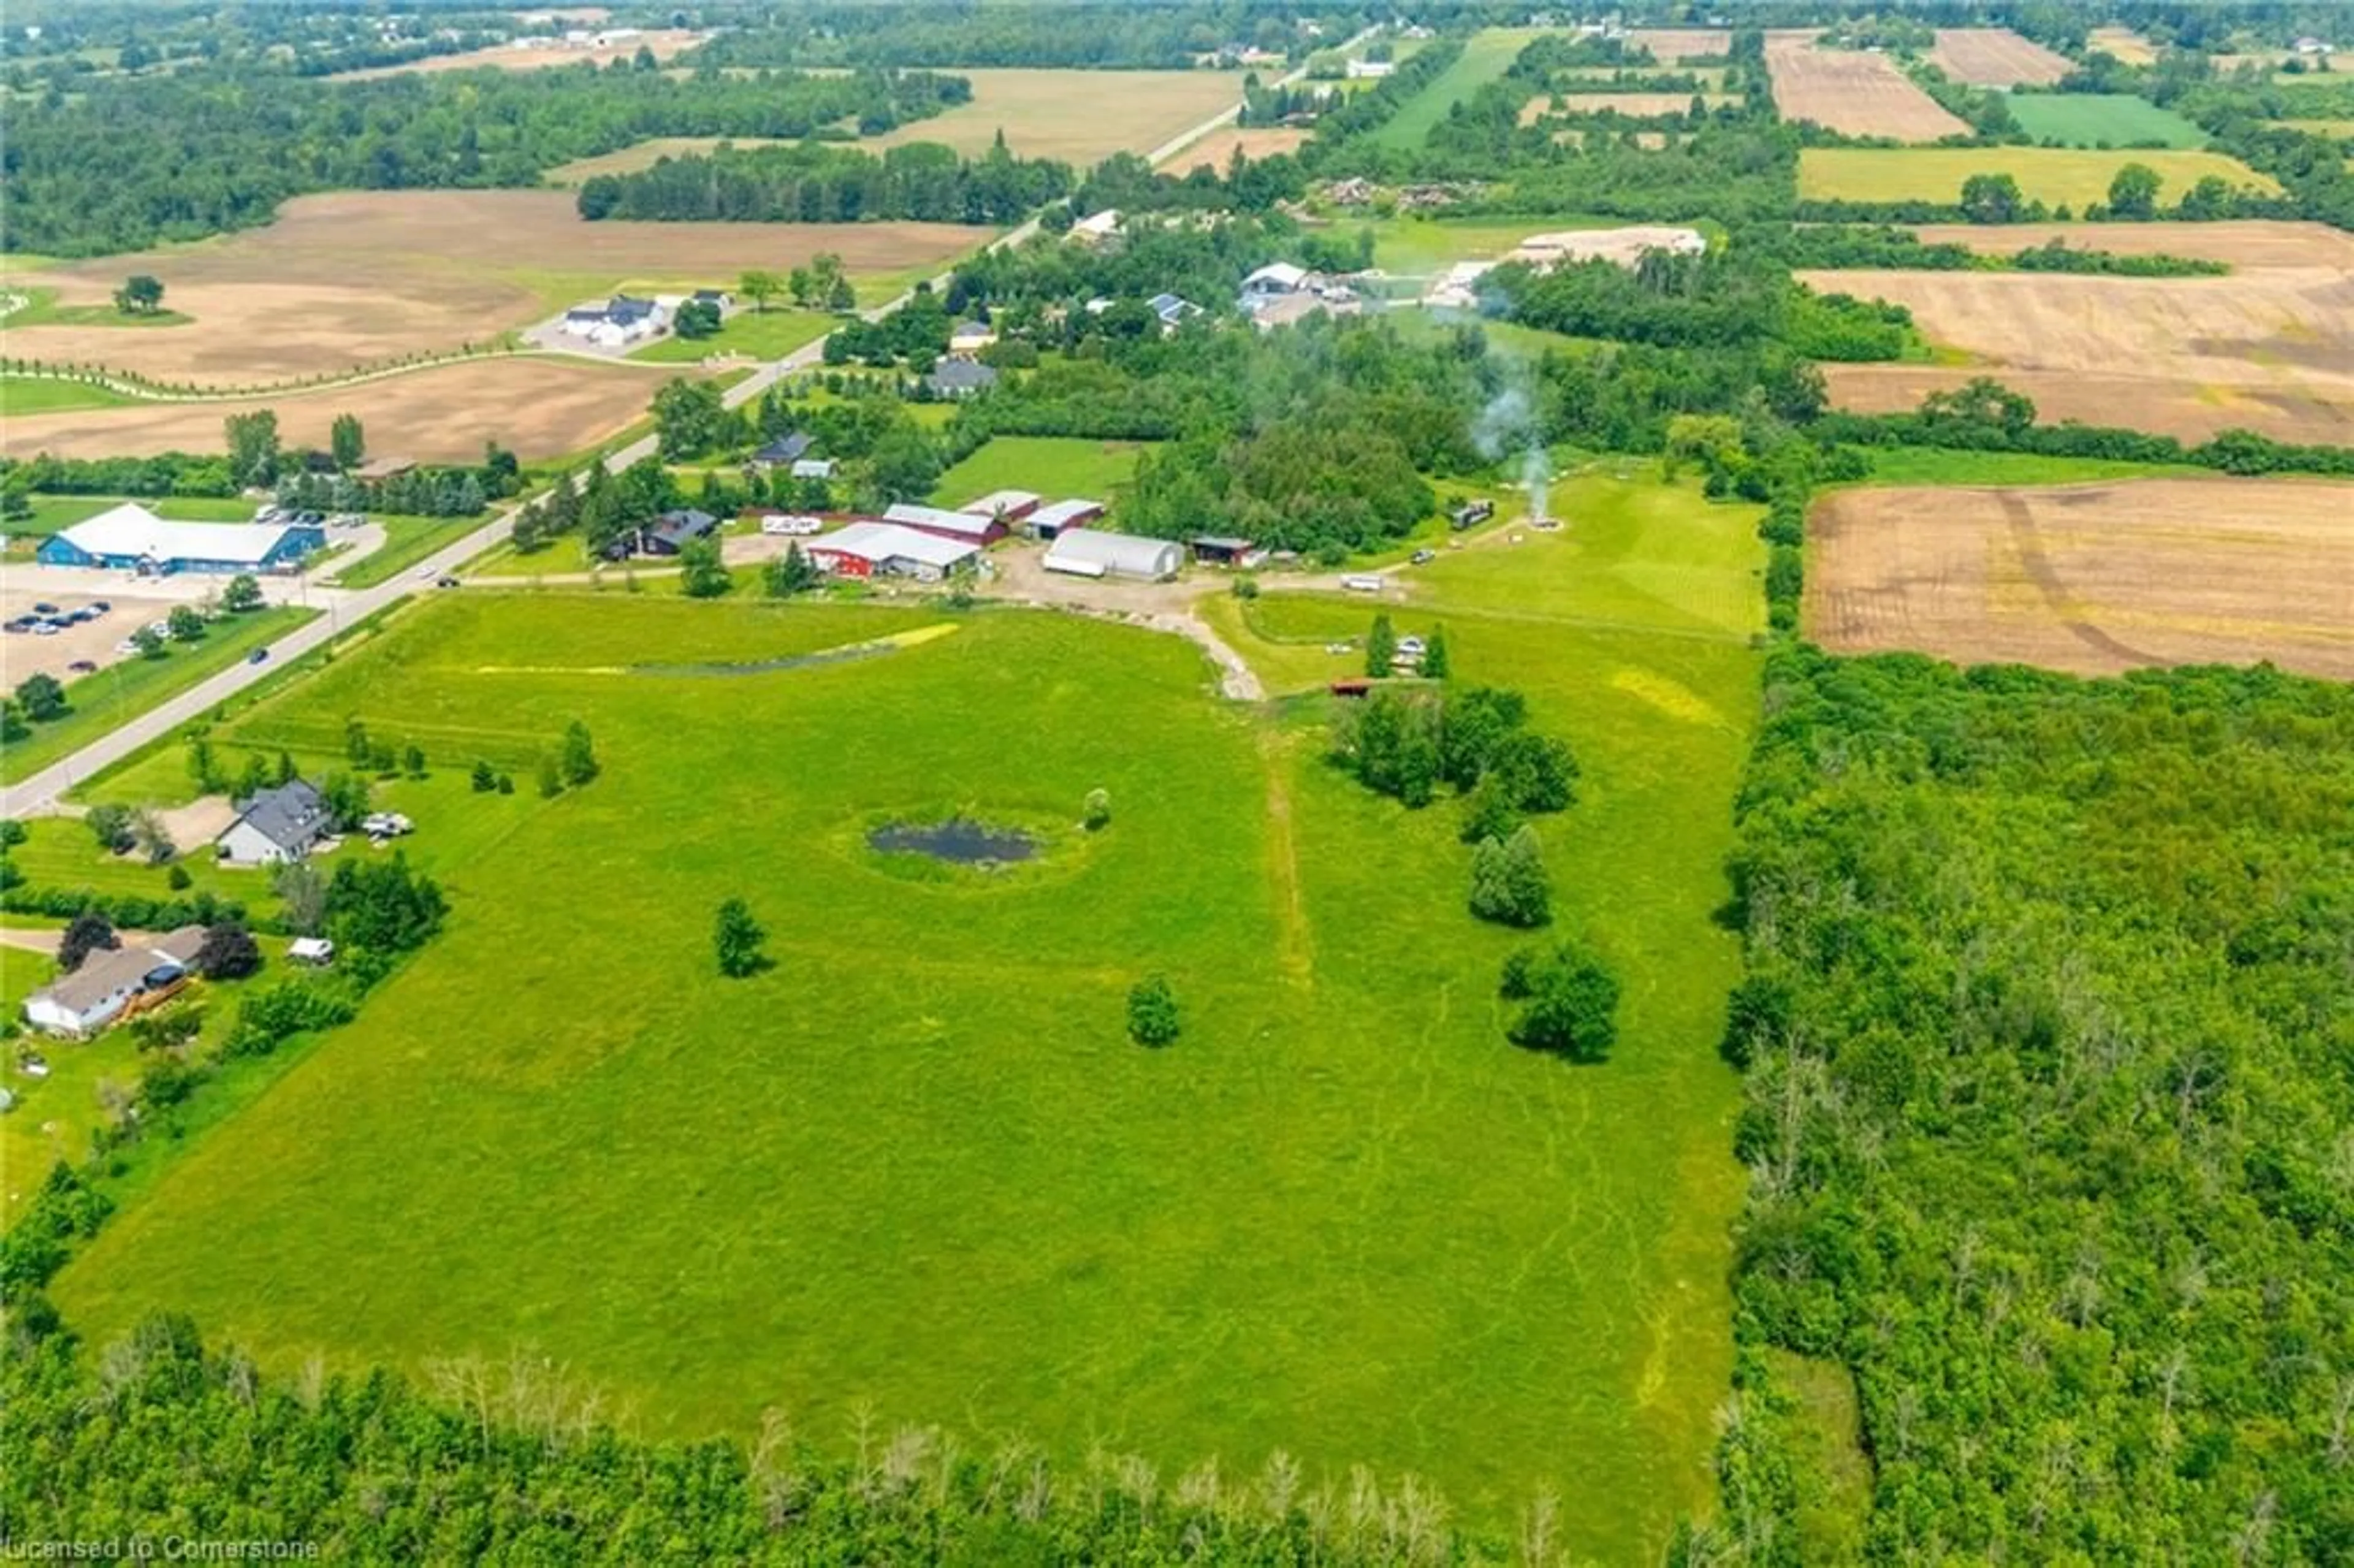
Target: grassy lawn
{"type": "Point", "coordinates": [763, 335]}
{"type": "Point", "coordinates": [1487, 56]}
{"type": "Point", "coordinates": [1935, 465]}
{"type": "Point", "coordinates": [1059, 468]}
{"type": "Point", "coordinates": [2076, 177]}
{"type": "Point", "coordinates": [26, 395]}
{"type": "Point", "coordinates": [131, 686]}
{"type": "Point", "coordinates": [915, 1169]}
{"type": "Point", "coordinates": [41, 309]}
{"type": "Point", "coordinates": [2102, 120]}
{"type": "Point", "coordinates": [408, 540]}
{"type": "Point", "coordinates": [51, 512]}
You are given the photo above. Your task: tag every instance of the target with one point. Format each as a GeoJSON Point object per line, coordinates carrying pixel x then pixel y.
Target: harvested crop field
{"type": "Point", "coordinates": [2123, 45]}
{"type": "Point", "coordinates": [2093, 579]}
{"type": "Point", "coordinates": [1640, 105]}
{"type": "Point", "coordinates": [1080, 117]}
{"type": "Point", "coordinates": [2271, 346]}
{"type": "Point", "coordinates": [1995, 57]}
{"type": "Point", "coordinates": [1852, 92]}
{"type": "Point", "coordinates": [1218, 148]}
{"type": "Point", "coordinates": [664, 42]}
{"type": "Point", "coordinates": [2078, 176]}
{"type": "Point", "coordinates": [645, 154]}
{"type": "Point", "coordinates": [1669, 44]}
{"type": "Point", "coordinates": [538, 407]}
{"type": "Point", "coordinates": [358, 278]}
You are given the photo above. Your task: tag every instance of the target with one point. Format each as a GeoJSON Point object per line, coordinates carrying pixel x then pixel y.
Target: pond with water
{"type": "Point", "coordinates": [959, 839]}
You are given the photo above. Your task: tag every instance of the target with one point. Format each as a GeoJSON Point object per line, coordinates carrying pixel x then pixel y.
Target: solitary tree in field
{"type": "Point", "coordinates": [140, 295]}
{"type": "Point", "coordinates": [737, 939]}
{"type": "Point", "coordinates": [484, 779]}
{"type": "Point", "coordinates": [1098, 809]}
{"type": "Point", "coordinates": [759, 286]}
{"type": "Point", "coordinates": [1381, 647]}
{"type": "Point", "coordinates": [1152, 1018]}
{"type": "Point", "coordinates": [347, 440]}
{"type": "Point", "coordinates": [2134, 193]}
{"type": "Point", "coordinates": [1509, 885]}
{"type": "Point", "coordinates": [1569, 1002]}
{"type": "Point", "coordinates": [580, 759]}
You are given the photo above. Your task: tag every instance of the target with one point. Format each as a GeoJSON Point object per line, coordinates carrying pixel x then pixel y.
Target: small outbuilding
{"type": "Point", "coordinates": [1007, 505]}
{"type": "Point", "coordinates": [1093, 552]}
{"type": "Point", "coordinates": [1223, 549]}
{"type": "Point", "coordinates": [967, 527]}
{"type": "Point", "coordinates": [1050, 520]}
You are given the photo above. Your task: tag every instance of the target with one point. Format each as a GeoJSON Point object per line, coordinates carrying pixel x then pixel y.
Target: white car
{"type": "Point", "coordinates": [801, 526]}
{"type": "Point", "coordinates": [1362, 583]}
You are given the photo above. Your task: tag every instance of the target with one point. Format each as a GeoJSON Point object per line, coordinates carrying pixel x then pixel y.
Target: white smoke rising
{"type": "Point", "coordinates": [1509, 423]}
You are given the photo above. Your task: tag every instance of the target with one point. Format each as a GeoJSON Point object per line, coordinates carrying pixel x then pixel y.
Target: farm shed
{"type": "Point", "coordinates": [965, 526]}
{"type": "Point", "coordinates": [1056, 516]}
{"type": "Point", "coordinates": [1223, 549]}
{"type": "Point", "coordinates": [1092, 553]}
{"type": "Point", "coordinates": [130, 539]}
{"type": "Point", "coordinates": [109, 983]}
{"type": "Point", "coordinates": [888, 549]}
{"type": "Point", "coordinates": [275, 825]}
{"type": "Point", "coordinates": [1012, 505]}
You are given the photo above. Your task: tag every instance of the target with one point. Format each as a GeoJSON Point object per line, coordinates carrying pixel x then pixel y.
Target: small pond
{"type": "Point", "coordinates": [959, 839]}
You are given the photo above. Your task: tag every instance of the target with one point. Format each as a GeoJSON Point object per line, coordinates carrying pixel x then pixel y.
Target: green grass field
{"type": "Point", "coordinates": [2101, 120]}
{"type": "Point", "coordinates": [1487, 56]}
{"type": "Point", "coordinates": [1059, 468]}
{"type": "Point", "coordinates": [41, 309]}
{"type": "Point", "coordinates": [131, 686]}
{"type": "Point", "coordinates": [51, 512]}
{"type": "Point", "coordinates": [763, 335]}
{"type": "Point", "coordinates": [408, 540]}
{"type": "Point", "coordinates": [27, 395]}
{"type": "Point", "coordinates": [2054, 174]}
{"type": "Point", "coordinates": [1938, 465]}
{"type": "Point", "coordinates": [916, 1170]}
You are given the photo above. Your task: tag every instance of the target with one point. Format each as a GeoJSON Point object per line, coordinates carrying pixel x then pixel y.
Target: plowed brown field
{"type": "Point", "coordinates": [1669, 44]}
{"type": "Point", "coordinates": [538, 407]}
{"type": "Point", "coordinates": [2093, 579]}
{"type": "Point", "coordinates": [1218, 148]}
{"type": "Point", "coordinates": [1995, 57]}
{"type": "Point", "coordinates": [1853, 92]}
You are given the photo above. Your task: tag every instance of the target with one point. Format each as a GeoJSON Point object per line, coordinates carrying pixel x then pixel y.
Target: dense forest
{"type": "Point", "coordinates": [2049, 1035]}
{"type": "Point", "coordinates": [1056, 32]}
{"type": "Point", "coordinates": [818, 182]}
{"type": "Point", "coordinates": [158, 1436]}
{"type": "Point", "coordinates": [131, 163]}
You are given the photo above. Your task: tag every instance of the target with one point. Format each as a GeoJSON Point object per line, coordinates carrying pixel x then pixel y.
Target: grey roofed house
{"type": "Point", "coordinates": [673, 529]}
{"type": "Point", "coordinates": [276, 824]}
{"type": "Point", "coordinates": [108, 981]}
{"type": "Point", "coordinates": [785, 449]}
{"type": "Point", "coordinates": [623, 309]}
{"type": "Point", "coordinates": [960, 377]}
{"type": "Point", "coordinates": [1173, 309]}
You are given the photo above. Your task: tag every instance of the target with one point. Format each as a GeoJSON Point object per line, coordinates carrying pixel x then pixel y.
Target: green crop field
{"type": "Point", "coordinates": [2102, 120]}
{"type": "Point", "coordinates": [1487, 56]}
{"type": "Point", "coordinates": [408, 540]}
{"type": "Point", "coordinates": [1059, 468]}
{"type": "Point", "coordinates": [27, 395]}
{"type": "Point", "coordinates": [2054, 174]}
{"type": "Point", "coordinates": [118, 691]}
{"type": "Point", "coordinates": [915, 1171]}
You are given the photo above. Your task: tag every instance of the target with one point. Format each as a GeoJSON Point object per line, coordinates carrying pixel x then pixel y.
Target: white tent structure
{"type": "Point", "coordinates": [1092, 553]}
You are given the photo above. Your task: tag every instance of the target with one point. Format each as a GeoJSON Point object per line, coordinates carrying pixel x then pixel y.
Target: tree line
{"type": "Point", "coordinates": [823, 183]}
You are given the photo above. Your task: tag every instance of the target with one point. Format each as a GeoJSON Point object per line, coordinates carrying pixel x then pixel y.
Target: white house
{"type": "Point", "coordinates": [617, 323]}
{"type": "Point", "coordinates": [1097, 228]}
{"type": "Point", "coordinates": [1274, 281]}
{"type": "Point", "coordinates": [970, 337]}
{"type": "Point", "coordinates": [1368, 70]}
{"type": "Point", "coordinates": [1093, 552]}
{"type": "Point", "coordinates": [275, 826]}
{"type": "Point", "coordinates": [108, 982]}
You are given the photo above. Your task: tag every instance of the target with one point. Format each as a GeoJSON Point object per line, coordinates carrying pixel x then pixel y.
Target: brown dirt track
{"type": "Point", "coordinates": [1853, 92]}
{"type": "Point", "coordinates": [540, 407]}
{"type": "Point", "coordinates": [362, 277]}
{"type": "Point", "coordinates": [2093, 579]}
{"type": "Point", "coordinates": [1995, 57]}
{"type": "Point", "coordinates": [1218, 147]}
{"type": "Point", "coordinates": [2270, 347]}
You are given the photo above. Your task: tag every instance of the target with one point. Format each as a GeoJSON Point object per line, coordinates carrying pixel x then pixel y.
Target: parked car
{"type": "Point", "coordinates": [445, 582]}
{"type": "Point", "coordinates": [22, 623]}
{"type": "Point", "coordinates": [46, 629]}
{"type": "Point", "coordinates": [126, 646]}
{"type": "Point", "coordinates": [1424, 557]}
{"type": "Point", "coordinates": [44, 609]}
{"type": "Point", "coordinates": [83, 667]}
{"type": "Point", "coordinates": [98, 607]}
{"type": "Point", "coordinates": [1361, 582]}
{"type": "Point", "coordinates": [258, 656]}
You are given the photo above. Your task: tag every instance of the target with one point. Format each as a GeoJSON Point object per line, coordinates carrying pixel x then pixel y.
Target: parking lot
{"type": "Point", "coordinates": [133, 603]}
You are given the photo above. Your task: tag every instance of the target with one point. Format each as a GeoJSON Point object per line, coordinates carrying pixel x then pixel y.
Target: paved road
{"type": "Point", "coordinates": [38, 794]}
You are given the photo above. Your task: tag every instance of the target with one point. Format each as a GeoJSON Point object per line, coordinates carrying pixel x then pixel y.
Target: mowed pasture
{"type": "Point", "coordinates": [1217, 149]}
{"type": "Point", "coordinates": [1995, 57]}
{"type": "Point", "coordinates": [538, 406]}
{"type": "Point", "coordinates": [1853, 92]}
{"type": "Point", "coordinates": [2102, 120]}
{"type": "Point", "coordinates": [1488, 55]}
{"type": "Point", "coordinates": [1080, 117]}
{"type": "Point", "coordinates": [645, 154]}
{"type": "Point", "coordinates": [664, 42]}
{"type": "Point", "coordinates": [361, 278]}
{"type": "Point", "coordinates": [916, 1170]}
{"type": "Point", "coordinates": [2095, 578]}
{"type": "Point", "coordinates": [2077, 176]}
{"type": "Point", "coordinates": [2270, 347]}
{"type": "Point", "coordinates": [2123, 45]}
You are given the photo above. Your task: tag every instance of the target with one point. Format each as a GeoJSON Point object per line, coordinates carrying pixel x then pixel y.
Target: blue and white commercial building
{"type": "Point", "coordinates": [133, 539]}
